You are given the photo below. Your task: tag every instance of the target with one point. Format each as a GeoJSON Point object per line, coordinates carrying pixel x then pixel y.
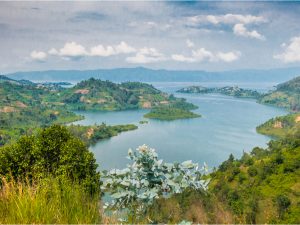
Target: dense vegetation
{"type": "Point", "coordinates": [286, 95]}
{"type": "Point", "coordinates": [230, 91]}
{"type": "Point", "coordinates": [22, 110]}
{"type": "Point", "coordinates": [170, 113]}
{"type": "Point", "coordinates": [92, 134]}
{"type": "Point", "coordinates": [96, 94]}
{"type": "Point", "coordinates": [280, 126]}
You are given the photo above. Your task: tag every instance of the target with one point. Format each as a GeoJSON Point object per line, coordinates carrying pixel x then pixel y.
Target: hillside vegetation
{"type": "Point", "coordinates": [280, 126]}
{"type": "Point", "coordinates": [96, 94]}
{"type": "Point", "coordinates": [286, 95]}
{"type": "Point", "coordinates": [22, 110]}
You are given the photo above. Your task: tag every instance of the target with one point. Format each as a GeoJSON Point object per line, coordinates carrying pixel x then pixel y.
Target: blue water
{"type": "Point", "coordinates": [227, 126]}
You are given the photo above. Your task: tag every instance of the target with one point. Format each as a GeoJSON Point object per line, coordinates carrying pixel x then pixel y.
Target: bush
{"type": "Point", "coordinates": [252, 171]}
{"type": "Point", "coordinates": [283, 203]}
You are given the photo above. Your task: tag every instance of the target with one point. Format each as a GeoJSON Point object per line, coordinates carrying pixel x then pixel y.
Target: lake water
{"type": "Point", "coordinates": [227, 126]}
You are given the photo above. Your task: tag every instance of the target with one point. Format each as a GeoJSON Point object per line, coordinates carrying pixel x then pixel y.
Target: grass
{"type": "Point", "coordinates": [47, 201]}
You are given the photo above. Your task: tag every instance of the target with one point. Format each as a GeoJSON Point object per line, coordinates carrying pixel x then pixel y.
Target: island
{"type": "Point", "coordinates": [170, 113]}
{"type": "Point", "coordinates": [234, 91]}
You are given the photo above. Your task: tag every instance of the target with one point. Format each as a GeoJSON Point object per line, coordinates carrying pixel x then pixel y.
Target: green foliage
{"type": "Point", "coordinates": [22, 109]}
{"type": "Point", "coordinates": [95, 94]}
{"type": "Point", "coordinates": [283, 203]}
{"type": "Point", "coordinates": [266, 183]}
{"type": "Point", "coordinates": [53, 151]}
{"type": "Point", "coordinates": [147, 179]}
{"type": "Point", "coordinates": [92, 134]}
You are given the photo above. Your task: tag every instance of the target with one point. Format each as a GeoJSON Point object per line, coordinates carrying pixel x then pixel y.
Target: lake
{"type": "Point", "coordinates": [227, 126]}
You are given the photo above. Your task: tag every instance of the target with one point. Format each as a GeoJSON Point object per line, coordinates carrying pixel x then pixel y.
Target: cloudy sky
{"type": "Point", "coordinates": [169, 35]}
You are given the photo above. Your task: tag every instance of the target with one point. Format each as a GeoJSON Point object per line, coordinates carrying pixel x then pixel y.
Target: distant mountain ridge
{"type": "Point", "coordinates": [150, 75]}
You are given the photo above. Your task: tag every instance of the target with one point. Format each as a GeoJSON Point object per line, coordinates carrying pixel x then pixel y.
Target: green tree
{"type": "Point", "coordinates": [52, 152]}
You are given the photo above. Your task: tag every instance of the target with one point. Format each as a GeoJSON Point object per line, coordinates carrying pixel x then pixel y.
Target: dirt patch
{"type": "Point", "coordinates": [83, 99]}
{"type": "Point", "coordinates": [101, 100]}
{"type": "Point", "coordinates": [90, 133]}
{"type": "Point", "coordinates": [146, 105]}
{"type": "Point", "coordinates": [297, 120]}
{"type": "Point", "coordinates": [21, 104]}
{"type": "Point", "coordinates": [164, 102]}
{"type": "Point", "coordinates": [8, 109]}
{"type": "Point", "coordinates": [278, 124]}
{"type": "Point", "coordinates": [82, 91]}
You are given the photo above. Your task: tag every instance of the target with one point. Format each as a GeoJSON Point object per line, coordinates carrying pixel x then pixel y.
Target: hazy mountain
{"type": "Point", "coordinates": [150, 75]}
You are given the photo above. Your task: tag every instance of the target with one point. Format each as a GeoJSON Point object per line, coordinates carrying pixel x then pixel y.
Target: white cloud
{"type": "Point", "coordinates": [240, 30]}
{"type": "Point", "coordinates": [182, 58]}
{"type": "Point", "coordinates": [122, 48]}
{"type": "Point", "coordinates": [228, 56]}
{"type": "Point", "coordinates": [38, 55]}
{"type": "Point", "coordinates": [201, 55]}
{"type": "Point", "coordinates": [71, 50]}
{"type": "Point", "coordinates": [146, 55]}
{"type": "Point", "coordinates": [100, 50]}
{"type": "Point", "coordinates": [226, 19]}
{"type": "Point", "coordinates": [189, 43]}
{"type": "Point", "coordinates": [291, 52]}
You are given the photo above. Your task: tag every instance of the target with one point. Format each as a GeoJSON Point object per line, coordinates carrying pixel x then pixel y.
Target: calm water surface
{"type": "Point", "coordinates": [227, 126]}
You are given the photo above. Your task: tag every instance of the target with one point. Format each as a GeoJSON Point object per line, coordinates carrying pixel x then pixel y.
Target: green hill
{"type": "Point", "coordinates": [96, 94]}
{"type": "Point", "coordinates": [286, 95]}
{"type": "Point", "coordinates": [22, 110]}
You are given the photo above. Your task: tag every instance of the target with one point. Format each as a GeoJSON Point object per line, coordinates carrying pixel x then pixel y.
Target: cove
{"type": "Point", "coordinates": [228, 125]}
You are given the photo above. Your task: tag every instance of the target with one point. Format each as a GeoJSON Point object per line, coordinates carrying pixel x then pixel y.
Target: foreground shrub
{"type": "Point", "coordinates": [135, 188]}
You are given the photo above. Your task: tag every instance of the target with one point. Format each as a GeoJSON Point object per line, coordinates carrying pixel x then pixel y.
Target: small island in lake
{"type": "Point", "coordinates": [170, 113]}
{"type": "Point", "coordinates": [234, 91]}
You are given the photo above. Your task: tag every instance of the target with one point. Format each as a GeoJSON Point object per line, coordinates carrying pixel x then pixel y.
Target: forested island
{"type": "Point", "coordinates": [234, 91]}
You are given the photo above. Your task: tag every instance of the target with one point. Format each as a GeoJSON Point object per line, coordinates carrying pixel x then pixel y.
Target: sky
{"type": "Point", "coordinates": [212, 36]}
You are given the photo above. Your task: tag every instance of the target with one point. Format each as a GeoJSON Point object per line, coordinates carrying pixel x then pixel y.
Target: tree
{"type": "Point", "coordinates": [283, 203]}
{"type": "Point", "coordinates": [146, 179]}
{"type": "Point", "coordinates": [54, 151]}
